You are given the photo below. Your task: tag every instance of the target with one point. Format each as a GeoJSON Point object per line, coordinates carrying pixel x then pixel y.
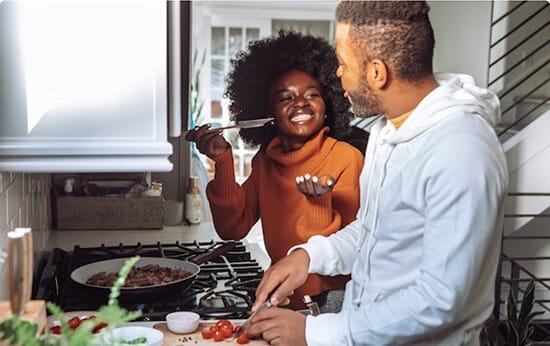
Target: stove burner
{"type": "Point", "coordinates": [224, 286]}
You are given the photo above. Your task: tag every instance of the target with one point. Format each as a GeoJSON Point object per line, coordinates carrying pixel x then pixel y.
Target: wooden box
{"type": "Point", "coordinates": [101, 213]}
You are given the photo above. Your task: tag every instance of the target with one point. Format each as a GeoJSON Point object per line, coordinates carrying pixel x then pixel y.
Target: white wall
{"type": "Point", "coordinates": [462, 36]}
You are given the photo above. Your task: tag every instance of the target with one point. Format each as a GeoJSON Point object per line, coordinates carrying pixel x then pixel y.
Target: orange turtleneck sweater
{"type": "Point", "coordinates": [288, 217]}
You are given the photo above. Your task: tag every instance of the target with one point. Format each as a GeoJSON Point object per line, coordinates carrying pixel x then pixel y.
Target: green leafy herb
{"type": "Point", "coordinates": [20, 332]}
{"type": "Point", "coordinates": [136, 341]}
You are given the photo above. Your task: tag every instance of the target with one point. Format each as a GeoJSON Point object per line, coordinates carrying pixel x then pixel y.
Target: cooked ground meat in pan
{"type": "Point", "coordinates": [148, 275]}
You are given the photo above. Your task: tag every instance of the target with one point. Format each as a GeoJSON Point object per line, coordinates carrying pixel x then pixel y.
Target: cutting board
{"type": "Point", "coordinates": [34, 312]}
{"type": "Point", "coordinates": [195, 338]}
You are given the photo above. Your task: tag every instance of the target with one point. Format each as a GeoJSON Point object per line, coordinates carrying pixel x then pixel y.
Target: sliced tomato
{"type": "Point", "coordinates": [236, 328]}
{"type": "Point", "coordinates": [55, 330]}
{"type": "Point", "coordinates": [99, 327]}
{"type": "Point", "coordinates": [226, 330]}
{"type": "Point", "coordinates": [243, 339]}
{"type": "Point", "coordinates": [74, 322]}
{"type": "Point", "coordinates": [218, 336]}
{"type": "Point", "coordinates": [206, 333]}
{"type": "Point", "coordinates": [221, 323]}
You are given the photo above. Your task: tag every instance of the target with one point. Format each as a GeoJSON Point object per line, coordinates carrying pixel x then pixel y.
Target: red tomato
{"type": "Point", "coordinates": [236, 328]}
{"type": "Point", "coordinates": [218, 336]}
{"type": "Point", "coordinates": [221, 323]}
{"type": "Point", "coordinates": [243, 339]}
{"type": "Point", "coordinates": [213, 329]}
{"type": "Point", "coordinates": [74, 322]}
{"type": "Point", "coordinates": [55, 330]}
{"type": "Point", "coordinates": [206, 333]}
{"type": "Point", "coordinates": [226, 330]}
{"type": "Point", "coordinates": [99, 327]}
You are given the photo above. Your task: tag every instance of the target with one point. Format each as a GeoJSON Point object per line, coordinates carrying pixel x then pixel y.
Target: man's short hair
{"type": "Point", "coordinates": [396, 32]}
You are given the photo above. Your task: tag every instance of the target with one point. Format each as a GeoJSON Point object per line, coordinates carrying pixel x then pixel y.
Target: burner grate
{"type": "Point", "coordinates": [224, 287]}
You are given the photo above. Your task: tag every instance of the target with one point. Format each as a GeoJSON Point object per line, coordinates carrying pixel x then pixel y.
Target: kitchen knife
{"type": "Point", "coordinates": [247, 323]}
{"type": "Point", "coordinates": [244, 124]}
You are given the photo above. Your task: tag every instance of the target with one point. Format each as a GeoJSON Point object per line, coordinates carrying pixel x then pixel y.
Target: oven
{"type": "Point", "coordinates": [224, 287]}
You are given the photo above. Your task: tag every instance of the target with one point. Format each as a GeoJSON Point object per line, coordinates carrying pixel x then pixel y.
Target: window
{"type": "Point", "coordinates": [221, 30]}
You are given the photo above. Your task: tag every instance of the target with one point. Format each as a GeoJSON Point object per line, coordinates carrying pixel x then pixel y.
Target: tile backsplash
{"type": "Point", "coordinates": [24, 202]}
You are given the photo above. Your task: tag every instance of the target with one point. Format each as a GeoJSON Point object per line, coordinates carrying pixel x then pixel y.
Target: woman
{"type": "Point", "coordinates": [303, 180]}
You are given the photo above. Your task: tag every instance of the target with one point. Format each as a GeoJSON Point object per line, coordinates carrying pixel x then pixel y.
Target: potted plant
{"type": "Point", "coordinates": [20, 332]}
{"type": "Point", "coordinates": [516, 329]}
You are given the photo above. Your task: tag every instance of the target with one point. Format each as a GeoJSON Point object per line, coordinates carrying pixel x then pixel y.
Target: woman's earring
{"type": "Point", "coordinates": [326, 116]}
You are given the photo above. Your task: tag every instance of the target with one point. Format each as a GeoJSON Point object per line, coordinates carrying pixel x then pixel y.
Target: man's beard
{"type": "Point", "coordinates": [364, 103]}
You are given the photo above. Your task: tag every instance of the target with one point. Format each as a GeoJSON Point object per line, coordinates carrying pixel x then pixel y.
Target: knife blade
{"type": "Point", "coordinates": [244, 124]}
{"type": "Point", "coordinates": [248, 321]}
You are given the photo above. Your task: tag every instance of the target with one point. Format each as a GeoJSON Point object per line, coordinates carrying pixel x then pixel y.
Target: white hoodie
{"type": "Point", "coordinates": [424, 249]}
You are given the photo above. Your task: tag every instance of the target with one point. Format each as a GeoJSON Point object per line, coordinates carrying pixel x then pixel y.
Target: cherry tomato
{"type": "Point", "coordinates": [226, 330]}
{"type": "Point", "coordinates": [243, 339]}
{"type": "Point", "coordinates": [99, 327]}
{"type": "Point", "coordinates": [236, 328]}
{"type": "Point", "coordinates": [213, 329]}
{"type": "Point", "coordinates": [74, 322]}
{"type": "Point", "coordinates": [55, 330]}
{"type": "Point", "coordinates": [218, 336]}
{"type": "Point", "coordinates": [221, 323]}
{"type": "Point", "coordinates": [206, 333]}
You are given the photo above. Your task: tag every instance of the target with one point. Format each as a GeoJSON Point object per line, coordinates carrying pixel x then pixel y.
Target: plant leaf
{"type": "Point", "coordinates": [510, 308]}
{"type": "Point", "coordinates": [526, 305]}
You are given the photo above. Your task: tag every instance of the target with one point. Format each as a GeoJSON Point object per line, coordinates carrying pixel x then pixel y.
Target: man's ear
{"type": "Point", "coordinates": [377, 74]}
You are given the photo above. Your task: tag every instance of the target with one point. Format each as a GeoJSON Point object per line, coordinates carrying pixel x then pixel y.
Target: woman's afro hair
{"type": "Point", "coordinates": [254, 69]}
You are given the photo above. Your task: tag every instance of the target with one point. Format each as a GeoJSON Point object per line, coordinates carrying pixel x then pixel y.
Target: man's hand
{"type": "Point", "coordinates": [279, 327]}
{"type": "Point", "coordinates": [313, 186]}
{"type": "Point", "coordinates": [282, 278]}
{"type": "Point", "coordinates": [209, 142]}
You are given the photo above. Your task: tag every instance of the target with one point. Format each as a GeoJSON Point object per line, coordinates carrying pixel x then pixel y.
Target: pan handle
{"type": "Point", "coordinates": [213, 253]}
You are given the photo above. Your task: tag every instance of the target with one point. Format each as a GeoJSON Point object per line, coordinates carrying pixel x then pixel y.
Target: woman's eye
{"type": "Point", "coordinates": [284, 98]}
{"type": "Point", "coordinates": [312, 95]}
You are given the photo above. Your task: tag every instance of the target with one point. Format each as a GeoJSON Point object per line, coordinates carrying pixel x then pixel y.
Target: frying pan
{"type": "Point", "coordinates": [81, 274]}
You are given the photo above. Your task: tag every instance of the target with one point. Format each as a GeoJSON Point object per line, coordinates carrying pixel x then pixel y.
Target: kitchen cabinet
{"type": "Point", "coordinates": [84, 86]}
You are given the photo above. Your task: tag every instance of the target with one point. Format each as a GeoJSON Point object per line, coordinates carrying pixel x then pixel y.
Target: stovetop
{"type": "Point", "coordinates": [224, 287]}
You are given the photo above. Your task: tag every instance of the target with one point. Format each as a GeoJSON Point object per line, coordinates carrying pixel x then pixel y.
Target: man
{"type": "Point", "coordinates": [424, 249]}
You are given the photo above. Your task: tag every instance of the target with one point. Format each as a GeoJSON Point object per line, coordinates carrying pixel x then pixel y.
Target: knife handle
{"type": "Point", "coordinates": [16, 271]}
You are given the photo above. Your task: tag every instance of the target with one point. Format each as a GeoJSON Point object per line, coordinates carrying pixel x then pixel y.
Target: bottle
{"type": "Point", "coordinates": [193, 201]}
{"type": "Point", "coordinates": [68, 188]}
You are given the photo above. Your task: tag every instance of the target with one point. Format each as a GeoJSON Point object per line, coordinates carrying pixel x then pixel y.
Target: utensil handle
{"type": "Point", "coordinates": [213, 253]}
{"type": "Point", "coordinates": [17, 268]}
{"type": "Point", "coordinates": [28, 253]}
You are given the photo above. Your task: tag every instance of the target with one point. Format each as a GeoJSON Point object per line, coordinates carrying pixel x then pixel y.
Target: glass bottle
{"type": "Point", "coordinates": [193, 201]}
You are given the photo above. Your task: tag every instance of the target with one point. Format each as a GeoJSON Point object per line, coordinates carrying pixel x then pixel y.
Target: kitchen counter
{"type": "Point", "coordinates": [67, 239]}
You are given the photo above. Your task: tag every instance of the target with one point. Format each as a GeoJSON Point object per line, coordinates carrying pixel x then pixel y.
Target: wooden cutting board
{"type": "Point", "coordinates": [195, 338]}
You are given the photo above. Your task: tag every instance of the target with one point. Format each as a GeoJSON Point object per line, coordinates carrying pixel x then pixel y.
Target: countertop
{"type": "Point", "coordinates": [67, 239]}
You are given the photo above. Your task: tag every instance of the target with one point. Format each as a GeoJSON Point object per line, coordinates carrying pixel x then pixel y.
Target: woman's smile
{"type": "Point", "coordinates": [297, 102]}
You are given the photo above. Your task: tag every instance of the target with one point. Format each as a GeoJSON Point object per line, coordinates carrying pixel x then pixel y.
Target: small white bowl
{"type": "Point", "coordinates": [182, 322]}
{"type": "Point", "coordinates": [118, 336]}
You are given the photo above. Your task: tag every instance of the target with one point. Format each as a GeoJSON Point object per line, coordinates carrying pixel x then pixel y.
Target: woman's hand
{"type": "Point", "coordinates": [313, 186]}
{"type": "Point", "coordinates": [209, 142]}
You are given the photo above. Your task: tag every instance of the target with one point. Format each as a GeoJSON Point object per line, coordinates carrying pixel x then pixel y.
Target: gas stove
{"type": "Point", "coordinates": [224, 287]}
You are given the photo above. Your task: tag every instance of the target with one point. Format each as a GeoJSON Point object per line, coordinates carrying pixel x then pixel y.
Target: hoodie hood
{"type": "Point", "coordinates": [457, 93]}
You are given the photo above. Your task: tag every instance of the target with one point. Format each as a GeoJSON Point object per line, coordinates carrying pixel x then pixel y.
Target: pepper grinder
{"type": "Point", "coordinates": [311, 305]}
